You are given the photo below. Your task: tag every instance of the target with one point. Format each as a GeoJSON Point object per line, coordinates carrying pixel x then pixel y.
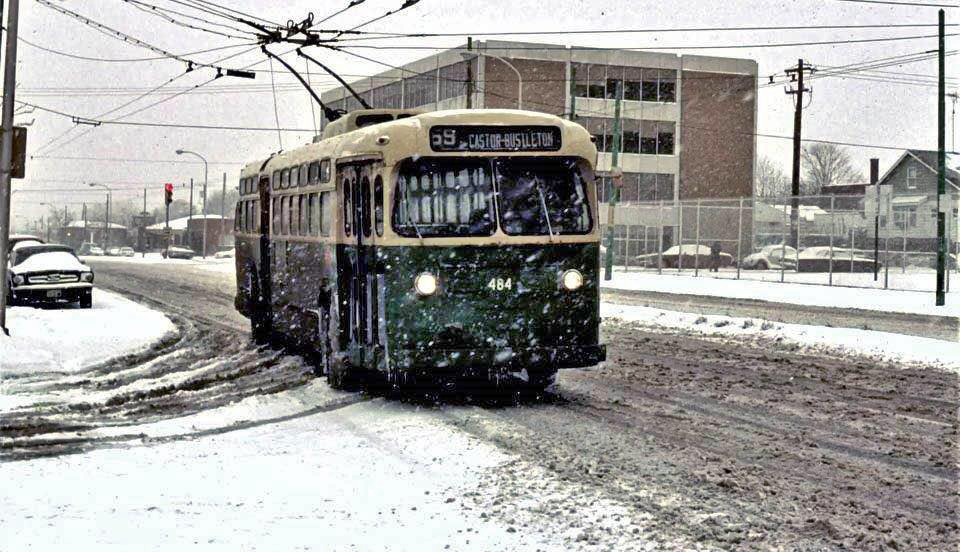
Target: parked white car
{"type": "Point", "coordinates": [48, 274]}
{"type": "Point", "coordinates": [771, 257]}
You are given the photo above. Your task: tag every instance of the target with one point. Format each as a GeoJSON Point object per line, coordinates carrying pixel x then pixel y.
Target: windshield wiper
{"type": "Point", "coordinates": [546, 214]}
{"type": "Point", "coordinates": [406, 198]}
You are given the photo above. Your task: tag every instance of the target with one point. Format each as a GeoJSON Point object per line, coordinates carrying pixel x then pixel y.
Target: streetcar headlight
{"type": "Point", "coordinates": [17, 280]}
{"type": "Point", "coordinates": [572, 279]}
{"type": "Point", "coordinates": [88, 276]}
{"type": "Point", "coordinates": [425, 284]}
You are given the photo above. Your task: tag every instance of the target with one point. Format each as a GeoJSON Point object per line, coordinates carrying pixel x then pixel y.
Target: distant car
{"type": "Point", "coordinates": [48, 274]}
{"type": "Point", "coordinates": [88, 249]}
{"type": "Point", "coordinates": [228, 254]}
{"type": "Point", "coordinates": [771, 257]}
{"type": "Point", "coordinates": [176, 252]}
{"type": "Point", "coordinates": [113, 252]}
{"type": "Point", "coordinates": [127, 252]}
{"type": "Point", "coordinates": [688, 254]}
{"type": "Point", "coordinates": [817, 259]}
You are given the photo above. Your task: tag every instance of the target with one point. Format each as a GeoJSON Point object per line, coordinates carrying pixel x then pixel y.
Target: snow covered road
{"type": "Point", "coordinates": [680, 441]}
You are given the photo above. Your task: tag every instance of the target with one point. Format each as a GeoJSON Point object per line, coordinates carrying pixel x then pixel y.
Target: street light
{"type": "Point", "coordinates": [468, 56]}
{"type": "Point", "coordinates": [181, 152]}
{"type": "Point", "coordinates": [106, 228]}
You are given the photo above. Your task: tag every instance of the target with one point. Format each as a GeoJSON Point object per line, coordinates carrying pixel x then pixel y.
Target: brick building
{"type": "Point", "coordinates": [688, 122]}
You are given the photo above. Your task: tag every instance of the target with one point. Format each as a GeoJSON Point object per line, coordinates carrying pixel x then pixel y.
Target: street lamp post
{"type": "Point", "coordinates": [508, 64]}
{"type": "Point", "coordinates": [106, 228]}
{"type": "Point", "coordinates": [181, 152]}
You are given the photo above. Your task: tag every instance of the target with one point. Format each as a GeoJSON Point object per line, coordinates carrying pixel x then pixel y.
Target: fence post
{"type": "Point", "coordinates": [903, 256]}
{"type": "Point", "coordinates": [886, 248]}
{"type": "Point", "coordinates": [680, 239]}
{"type": "Point", "coordinates": [853, 245]}
{"type": "Point", "coordinates": [783, 239]}
{"type": "Point", "coordinates": [833, 229]}
{"type": "Point", "coordinates": [739, 234]}
{"type": "Point", "coordinates": [626, 250]}
{"type": "Point", "coordinates": [696, 248]}
{"type": "Point", "coordinates": [660, 240]}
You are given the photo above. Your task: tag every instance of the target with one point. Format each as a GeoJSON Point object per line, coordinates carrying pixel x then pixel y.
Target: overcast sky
{"type": "Point", "coordinates": [842, 109]}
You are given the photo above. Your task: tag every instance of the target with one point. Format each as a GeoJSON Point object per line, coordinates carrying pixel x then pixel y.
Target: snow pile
{"type": "Point", "coordinates": [882, 346]}
{"type": "Point", "coordinates": [793, 293]}
{"type": "Point", "coordinates": [70, 339]}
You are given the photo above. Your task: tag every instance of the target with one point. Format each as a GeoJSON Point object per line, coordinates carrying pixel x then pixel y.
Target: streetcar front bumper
{"type": "Point", "coordinates": [505, 358]}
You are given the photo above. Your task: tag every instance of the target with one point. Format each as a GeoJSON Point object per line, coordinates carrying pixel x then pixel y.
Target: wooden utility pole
{"type": "Point", "coordinates": [6, 155]}
{"type": "Point", "coordinates": [796, 73]}
{"type": "Point", "coordinates": [616, 182]}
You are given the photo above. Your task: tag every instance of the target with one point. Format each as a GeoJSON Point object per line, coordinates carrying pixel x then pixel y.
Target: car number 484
{"type": "Point", "coordinates": [500, 284]}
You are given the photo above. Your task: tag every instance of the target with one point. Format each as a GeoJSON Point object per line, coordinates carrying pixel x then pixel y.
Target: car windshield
{"type": "Point", "coordinates": [444, 197]}
{"type": "Point", "coordinates": [454, 197]}
{"type": "Point", "coordinates": [541, 196]}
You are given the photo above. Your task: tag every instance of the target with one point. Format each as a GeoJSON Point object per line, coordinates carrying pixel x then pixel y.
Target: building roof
{"type": "Point", "coordinates": [93, 224]}
{"type": "Point", "coordinates": [929, 160]}
{"type": "Point", "coordinates": [181, 223]}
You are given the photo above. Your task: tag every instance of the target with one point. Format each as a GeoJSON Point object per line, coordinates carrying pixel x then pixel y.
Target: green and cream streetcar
{"type": "Point", "coordinates": [435, 245]}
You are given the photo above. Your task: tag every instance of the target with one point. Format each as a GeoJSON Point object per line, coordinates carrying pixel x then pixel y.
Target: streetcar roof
{"type": "Point", "coordinates": [408, 136]}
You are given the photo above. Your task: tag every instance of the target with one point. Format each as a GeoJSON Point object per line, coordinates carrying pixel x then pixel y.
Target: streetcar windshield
{"type": "Point", "coordinates": [444, 197]}
{"type": "Point", "coordinates": [541, 196]}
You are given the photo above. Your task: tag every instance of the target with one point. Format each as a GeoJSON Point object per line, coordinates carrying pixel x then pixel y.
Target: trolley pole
{"type": "Point", "coordinates": [941, 298]}
{"type": "Point", "coordinates": [616, 181]}
{"type": "Point", "coordinates": [6, 155]}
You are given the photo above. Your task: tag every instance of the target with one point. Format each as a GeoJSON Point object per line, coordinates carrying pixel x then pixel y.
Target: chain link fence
{"type": "Point", "coordinates": [887, 242]}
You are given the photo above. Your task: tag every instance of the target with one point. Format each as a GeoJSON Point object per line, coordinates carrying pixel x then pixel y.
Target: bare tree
{"type": "Point", "coordinates": [771, 181]}
{"type": "Point", "coordinates": [826, 164]}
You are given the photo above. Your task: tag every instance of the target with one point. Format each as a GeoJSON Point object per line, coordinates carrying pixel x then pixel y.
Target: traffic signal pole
{"type": "Point", "coordinates": [6, 150]}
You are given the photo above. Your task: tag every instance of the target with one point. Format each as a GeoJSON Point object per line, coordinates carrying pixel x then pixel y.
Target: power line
{"type": "Point", "coordinates": [162, 13]}
{"type": "Point", "coordinates": [118, 60]}
{"type": "Point", "coordinates": [890, 3]}
{"type": "Point", "coordinates": [647, 48]}
{"type": "Point", "coordinates": [338, 12]}
{"type": "Point", "coordinates": [132, 160]}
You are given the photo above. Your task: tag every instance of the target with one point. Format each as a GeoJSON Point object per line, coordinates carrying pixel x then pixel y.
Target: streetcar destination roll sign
{"type": "Point", "coordinates": [495, 138]}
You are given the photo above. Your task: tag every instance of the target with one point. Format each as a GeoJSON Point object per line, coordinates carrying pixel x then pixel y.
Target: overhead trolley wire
{"type": "Point", "coordinates": [162, 14]}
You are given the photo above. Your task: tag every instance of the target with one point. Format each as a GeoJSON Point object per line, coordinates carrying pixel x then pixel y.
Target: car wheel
{"type": "Point", "coordinates": [763, 265]}
{"type": "Point", "coordinates": [86, 299]}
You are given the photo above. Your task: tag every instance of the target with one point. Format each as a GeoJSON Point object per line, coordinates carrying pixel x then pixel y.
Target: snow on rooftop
{"type": "Point", "coordinates": [92, 224]}
{"type": "Point", "coordinates": [181, 223]}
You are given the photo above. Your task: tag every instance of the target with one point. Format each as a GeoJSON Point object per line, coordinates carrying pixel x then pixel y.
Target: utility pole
{"type": "Point", "coordinates": [223, 207]}
{"type": "Point", "coordinates": [616, 181]}
{"type": "Point", "coordinates": [874, 178]}
{"type": "Point", "coordinates": [941, 298]}
{"type": "Point", "coordinates": [6, 150]}
{"type": "Point", "coordinates": [204, 217]}
{"type": "Point", "coordinates": [191, 202]}
{"type": "Point", "coordinates": [470, 74]}
{"type": "Point", "coordinates": [796, 73]}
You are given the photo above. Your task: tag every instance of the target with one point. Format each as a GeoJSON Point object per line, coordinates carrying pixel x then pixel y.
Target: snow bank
{"type": "Point", "coordinates": [793, 293]}
{"type": "Point", "coordinates": [69, 339]}
{"type": "Point", "coordinates": [843, 341]}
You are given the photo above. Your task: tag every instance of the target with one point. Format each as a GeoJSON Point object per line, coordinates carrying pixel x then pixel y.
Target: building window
{"type": "Point", "coordinates": [580, 79]}
{"type": "Point", "coordinates": [596, 81]}
{"type": "Point", "coordinates": [904, 216]}
{"type": "Point", "coordinates": [656, 137]}
{"type": "Point", "coordinates": [912, 178]}
{"type": "Point", "coordinates": [633, 84]}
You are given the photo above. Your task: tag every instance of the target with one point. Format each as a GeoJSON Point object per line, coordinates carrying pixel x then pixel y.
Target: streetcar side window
{"type": "Point", "coordinates": [365, 205]}
{"type": "Point", "coordinates": [255, 219]}
{"type": "Point", "coordinates": [378, 205]}
{"type": "Point", "coordinates": [304, 215]}
{"type": "Point", "coordinates": [236, 219]}
{"type": "Point", "coordinates": [276, 180]}
{"type": "Point", "coordinates": [311, 215]}
{"type": "Point", "coordinates": [285, 179]}
{"type": "Point", "coordinates": [324, 206]}
{"type": "Point", "coordinates": [303, 175]}
{"type": "Point", "coordinates": [294, 216]}
{"type": "Point", "coordinates": [276, 215]}
{"type": "Point", "coordinates": [325, 170]}
{"type": "Point", "coordinates": [314, 172]}
{"type": "Point", "coordinates": [347, 206]}
{"type": "Point", "coordinates": [285, 215]}
{"type": "Point", "coordinates": [294, 177]}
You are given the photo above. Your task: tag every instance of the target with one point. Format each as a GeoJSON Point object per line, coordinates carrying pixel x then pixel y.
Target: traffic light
{"type": "Point", "coordinates": [168, 193]}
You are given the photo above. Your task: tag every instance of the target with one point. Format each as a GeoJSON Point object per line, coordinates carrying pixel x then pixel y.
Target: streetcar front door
{"type": "Point", "coordinates": [357, 286]}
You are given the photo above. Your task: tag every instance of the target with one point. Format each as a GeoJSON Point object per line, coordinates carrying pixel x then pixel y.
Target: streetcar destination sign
{"type": "Point", "coordinates": [495, 138]}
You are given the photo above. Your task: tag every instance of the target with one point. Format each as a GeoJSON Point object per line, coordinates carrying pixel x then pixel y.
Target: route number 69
{"type": "Point", "coordinates": [448, 138]}
{"type": "Point", "coordinates": [500, 284]}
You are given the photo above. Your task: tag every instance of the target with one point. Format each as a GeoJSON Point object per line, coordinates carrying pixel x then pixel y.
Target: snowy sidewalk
{"type": "Point", "coordinates": [70, 339]}
{"type": "Point", "coordinates": [915, 302]}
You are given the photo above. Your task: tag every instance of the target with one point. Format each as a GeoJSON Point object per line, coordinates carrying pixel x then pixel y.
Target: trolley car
{"type": "Point", "coordinates": [446, 244]}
